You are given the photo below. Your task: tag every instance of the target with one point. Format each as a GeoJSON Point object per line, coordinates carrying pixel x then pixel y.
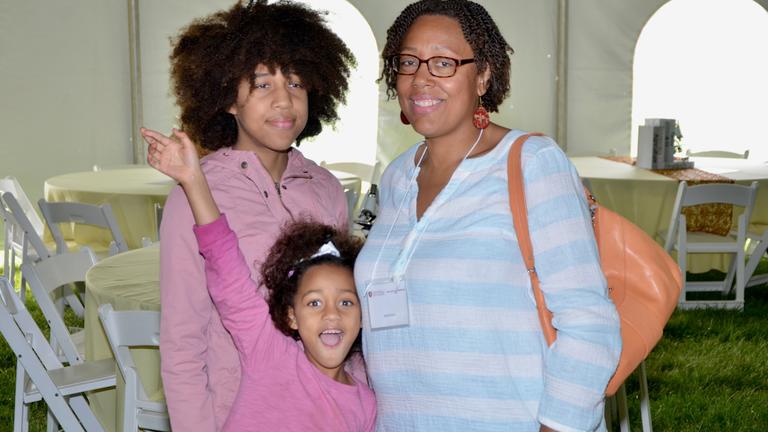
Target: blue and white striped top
{"type": "Point", "coordinates": [473, 357]}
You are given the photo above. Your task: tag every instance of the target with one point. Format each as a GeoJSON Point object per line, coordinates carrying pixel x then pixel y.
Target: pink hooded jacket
{"type": "Point", "coordinates": [199, 362]}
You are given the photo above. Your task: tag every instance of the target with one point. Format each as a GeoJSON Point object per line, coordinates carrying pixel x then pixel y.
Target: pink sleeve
{"type": "Point", "coordinates": [185, 315]}
{"type": "Point", "coordinates": [242, 309]}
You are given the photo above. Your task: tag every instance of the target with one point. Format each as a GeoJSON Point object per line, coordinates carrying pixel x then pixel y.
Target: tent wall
{"type": "Point", "coordinates": [66, 99]}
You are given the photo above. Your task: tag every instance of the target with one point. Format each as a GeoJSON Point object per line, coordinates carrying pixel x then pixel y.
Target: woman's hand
{"type": "Point", "coordinates": [175, 158]}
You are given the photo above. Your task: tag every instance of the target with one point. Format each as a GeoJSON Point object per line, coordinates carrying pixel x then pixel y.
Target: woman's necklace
{"type": "Point", "coordinates": [471, 149]}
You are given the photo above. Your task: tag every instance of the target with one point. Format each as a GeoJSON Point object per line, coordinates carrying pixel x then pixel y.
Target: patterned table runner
{"type": "Point", "coordinates": [716, 218]}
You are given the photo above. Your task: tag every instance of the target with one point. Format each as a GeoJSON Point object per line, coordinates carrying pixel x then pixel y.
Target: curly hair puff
{"type": "Point", "coordinates": [289, 259]}
{"type": "Point", "coordinates": [212, 56]}
{"type": "Point", "coordinates": [480, 32]}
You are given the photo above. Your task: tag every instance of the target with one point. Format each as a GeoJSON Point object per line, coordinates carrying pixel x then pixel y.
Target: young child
{"type": "Point", "coordinates": [249, 81]}
{"type": "Point", "coordinates": [285, 385]}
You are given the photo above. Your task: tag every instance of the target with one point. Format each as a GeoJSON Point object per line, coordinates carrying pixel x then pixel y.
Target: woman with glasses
{"type": "Point", "coordinates": [451, 334]}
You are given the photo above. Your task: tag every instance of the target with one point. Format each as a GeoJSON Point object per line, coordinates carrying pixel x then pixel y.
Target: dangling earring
{"type": "Point", "coordinates": [404, 119]}
{"type": "Point", "coordinates": [481, 119]}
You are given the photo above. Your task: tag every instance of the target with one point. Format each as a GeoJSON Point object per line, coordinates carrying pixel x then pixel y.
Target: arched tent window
{"type": "Point", "coordinates": [354, 137]}
{"type": "Point", "coordinates": [703, 63]}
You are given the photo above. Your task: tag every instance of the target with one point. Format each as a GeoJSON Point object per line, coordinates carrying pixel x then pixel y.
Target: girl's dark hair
{"type": "Point", "coordinates": [215, 53]}
{"type": "Point", "coordinates": [480, 32]}
{"type": "Point", "coordinates": [289, 259]}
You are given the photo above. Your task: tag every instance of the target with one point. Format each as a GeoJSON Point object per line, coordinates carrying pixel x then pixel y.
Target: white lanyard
{"type": "Point", "coordinates": [412, 238]}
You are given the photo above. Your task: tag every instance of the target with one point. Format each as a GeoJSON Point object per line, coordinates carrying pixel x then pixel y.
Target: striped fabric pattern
{"type": "Point", "coordinates": [473, 357]}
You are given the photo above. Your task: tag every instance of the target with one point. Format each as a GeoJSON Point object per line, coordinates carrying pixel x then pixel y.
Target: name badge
{"type": "Point", "coordinates": [387, 304]}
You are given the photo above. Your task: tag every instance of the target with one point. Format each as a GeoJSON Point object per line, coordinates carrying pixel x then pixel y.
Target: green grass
{"type": "Point", "coordinates": [708, 373]}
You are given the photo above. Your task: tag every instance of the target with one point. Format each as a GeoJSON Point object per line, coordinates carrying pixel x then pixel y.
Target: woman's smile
{"type": "Point", "coordinates": [425, 104]}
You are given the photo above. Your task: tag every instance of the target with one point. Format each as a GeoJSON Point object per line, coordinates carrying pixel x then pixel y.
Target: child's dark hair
{"type": "Point", "coordinates": [480, 32]}
{"type": "Point", "coordinates": [290, 258]}
{"type": "Point", "coordinates": [214, 54]}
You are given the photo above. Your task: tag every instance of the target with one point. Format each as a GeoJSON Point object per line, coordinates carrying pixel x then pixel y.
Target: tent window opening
{"type": "Point", "coordinates": [703, 63]}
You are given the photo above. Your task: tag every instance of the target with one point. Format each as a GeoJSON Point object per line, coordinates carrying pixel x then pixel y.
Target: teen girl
{"type": "Point", "coordinates": [247, 88]}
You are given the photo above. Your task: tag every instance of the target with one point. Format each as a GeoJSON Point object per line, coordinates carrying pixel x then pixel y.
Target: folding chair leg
{"type": "Point", "coordinates": [645, 402]}
{"type": "Point", "coordinates": [621, 402]}
{"type": "Point", "coordinates": [754, 260]}
{"type": "Point", "coordinates": [20, 410]}
{"type": "Point", "coordinates": [72, 300]}
{"type": "Point", "coordinates": [729, 277]}
{"type": "Point", "coordinates": [610, 406]}
{"type": "Point", "coordinates": [83, 411]}
{"type": "Point", "coordinates": [51, 424]}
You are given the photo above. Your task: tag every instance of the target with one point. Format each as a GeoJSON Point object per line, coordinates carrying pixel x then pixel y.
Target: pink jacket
{"type": "Point", "coordinates": [199, 363]}
{"type": "Point", "coordinates": [280, 389]}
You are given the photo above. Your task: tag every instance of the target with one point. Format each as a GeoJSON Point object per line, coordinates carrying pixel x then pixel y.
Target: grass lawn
{"type": "Point", "coordinates": [708, 373]}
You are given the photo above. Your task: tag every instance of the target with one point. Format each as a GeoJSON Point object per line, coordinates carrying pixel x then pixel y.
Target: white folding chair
{"type": "Point", "coordinates": [719, 154]}
{"type": "Point", "coordinates": [56, 213]}
{"type": "Point", "coordinates": [22, 237]}
{"type": "Point", "coordinates": [50, 280]}
{"type": "Point", "coordinates": [41, 376]}
{"type": "Point", "coordinates": [685, 242]}
{"type": "Point", "coordinates": [366, 173]}
{"type": "Point", "coordinates": [124, 330]}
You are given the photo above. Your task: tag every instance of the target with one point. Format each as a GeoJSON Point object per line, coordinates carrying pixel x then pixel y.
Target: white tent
{"type": "Point", "coordinates": [68, 100]}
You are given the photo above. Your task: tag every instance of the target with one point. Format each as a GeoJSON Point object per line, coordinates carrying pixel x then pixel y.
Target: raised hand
{"type": "Point", "coordinates": [174, 158]}
{"type": "Point", "coordinates": [178, 160]}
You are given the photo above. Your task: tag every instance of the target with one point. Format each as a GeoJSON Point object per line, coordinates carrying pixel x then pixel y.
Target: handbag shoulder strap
{"type": "Point", "coordinates": [520, 218]}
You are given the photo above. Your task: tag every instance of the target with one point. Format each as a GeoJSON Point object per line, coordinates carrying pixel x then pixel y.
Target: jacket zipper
{"type": "Point", "coordinates": [280, 198]}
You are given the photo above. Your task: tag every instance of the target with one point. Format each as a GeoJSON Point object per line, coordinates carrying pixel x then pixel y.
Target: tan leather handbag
{"type": "Point", "coordinates": [643, 280]}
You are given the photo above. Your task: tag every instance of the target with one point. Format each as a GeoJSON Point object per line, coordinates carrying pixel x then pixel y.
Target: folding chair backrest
{"type": "Point", "coordinates": [29, 360]}
{"type": "Point", "coordinates": [22, 228]}
{"type": "Point", "coordinates": [126, 329]}
{"type": "Point", "coordinates": [51, 277]}
{"type": "Point", "coordinates": [80, 213]}
{"type": "Point", "coordinates": [726, 193]}
{"type": "Point", "coordinates": [720, 154]}
{"type": "Point", "coordinates": [12, 186]}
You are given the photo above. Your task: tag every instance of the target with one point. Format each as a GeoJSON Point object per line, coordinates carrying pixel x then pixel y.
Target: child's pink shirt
{"type": "Point", "coordinates": [280, 390]}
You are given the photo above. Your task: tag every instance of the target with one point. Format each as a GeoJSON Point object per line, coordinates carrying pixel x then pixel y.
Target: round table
{"type": "Point", "coordinates": [129, 281]}
{"type": "Point", "coordinates": [647, 198]}
{"type": "Point", "coordinates": [132, 193]}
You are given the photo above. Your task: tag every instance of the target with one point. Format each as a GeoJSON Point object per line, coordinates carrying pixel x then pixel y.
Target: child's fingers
{"type": "Point", "coordinates": [183, 137]}
{"type": "Point", "coordinates": [151, 136]}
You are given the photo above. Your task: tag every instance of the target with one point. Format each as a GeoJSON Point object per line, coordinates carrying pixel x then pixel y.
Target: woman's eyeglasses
{"type": "Point", "coordinates": [440, 67]}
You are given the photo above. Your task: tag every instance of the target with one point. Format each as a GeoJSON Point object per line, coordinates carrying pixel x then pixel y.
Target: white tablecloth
{"type": "Point", "coordinates": [132, 193]}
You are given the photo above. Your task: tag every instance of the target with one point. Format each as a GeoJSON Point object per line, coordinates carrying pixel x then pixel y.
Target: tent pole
{"type": "Point", "coordinates": [134, 50]}
{"type": "Point", "coordinates": [561, 116]}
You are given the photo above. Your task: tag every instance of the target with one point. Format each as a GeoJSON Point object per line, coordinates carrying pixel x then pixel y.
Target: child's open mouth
{"type": "Point", "coordinates": [331, 337]}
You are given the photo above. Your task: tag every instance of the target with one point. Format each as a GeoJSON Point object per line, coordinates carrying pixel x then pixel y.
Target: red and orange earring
{"type": "Point", "coordinates": [481, 119]}
{"type": "Point", "coordinates": [404, 119]}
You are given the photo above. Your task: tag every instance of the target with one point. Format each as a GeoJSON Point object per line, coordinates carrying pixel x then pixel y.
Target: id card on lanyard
{"type": "Point", "coordinates": [387, 303]}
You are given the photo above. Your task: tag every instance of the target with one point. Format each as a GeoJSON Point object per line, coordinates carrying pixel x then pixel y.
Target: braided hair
{"type": "Point", "coordinates": [290, 258]}
{"type": "Point", "coordinates": [480, 31]}
{"type": "Point", "coordinates": [212, 56]}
